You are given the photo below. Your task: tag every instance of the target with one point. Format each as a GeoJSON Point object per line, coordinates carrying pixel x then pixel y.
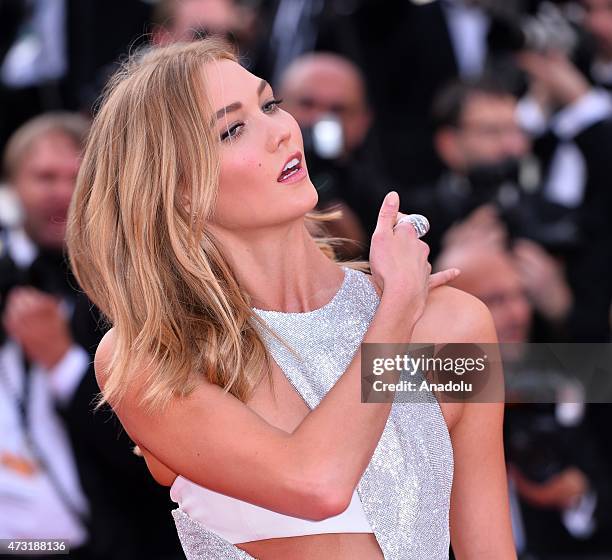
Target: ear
{"type": "Point", "coordinates": [361, 126]}
{"type": "Point", "coordinates": [446, 142]}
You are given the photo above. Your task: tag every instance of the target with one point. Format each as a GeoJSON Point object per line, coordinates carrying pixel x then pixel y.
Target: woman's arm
{"type": "Point", "coordinates": [216, 441]}
{"type": "Point", "coordinates": [480, 512]}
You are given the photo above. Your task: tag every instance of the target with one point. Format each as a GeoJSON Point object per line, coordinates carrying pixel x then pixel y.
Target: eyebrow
{"type": "Point", "coordinates": [237, 105]}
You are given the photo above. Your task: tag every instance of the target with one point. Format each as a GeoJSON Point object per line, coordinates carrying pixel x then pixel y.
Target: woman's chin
{"type": "Point", "coordinates": [305, 197]}
{"type": "Point", "coordinates": [314, 196]}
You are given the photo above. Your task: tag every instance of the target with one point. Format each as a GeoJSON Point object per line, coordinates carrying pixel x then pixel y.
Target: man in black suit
{"type": "Point", "coordinates": [571, 121]}
{"type": "Point", "coordinates": [81, 41]}
{"type": "Point", "coordinates": [51, 326]}
{"type": "Point", "coordinates": [488, 195]}
{"type": "Point", "coordinates": [408, 51]}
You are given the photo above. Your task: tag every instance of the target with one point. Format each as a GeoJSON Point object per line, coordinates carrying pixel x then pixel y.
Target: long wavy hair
{"type": "Point", "coordinates": [146, 258]}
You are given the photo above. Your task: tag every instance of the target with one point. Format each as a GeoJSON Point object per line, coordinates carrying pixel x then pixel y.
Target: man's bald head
{"type": "Point", "coordinates": [490, 275]}
{"type": "Point", "coordinates": [322, 83]}
{"type": "Point", "coordinates": [322, 64]}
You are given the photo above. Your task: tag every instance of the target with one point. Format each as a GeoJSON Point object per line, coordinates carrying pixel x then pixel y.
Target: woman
{"type": "Point", "coordinates": [234, 362]}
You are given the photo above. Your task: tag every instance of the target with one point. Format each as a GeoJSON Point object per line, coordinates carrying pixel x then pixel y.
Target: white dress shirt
{"type": "Point", "coordinates": [567, 176]}
{"type": "Point", "coordinates": [468, 27]}
{"type": "Point", "coordinates": [29, 504]}
{"type": "Point", "coordinates": [39, 53]}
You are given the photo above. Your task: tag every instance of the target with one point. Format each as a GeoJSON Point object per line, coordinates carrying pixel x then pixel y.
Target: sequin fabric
{"type": "Point", "coordinates": [405, 490]}
{"type": "Point", "coordinates": [201, 544]}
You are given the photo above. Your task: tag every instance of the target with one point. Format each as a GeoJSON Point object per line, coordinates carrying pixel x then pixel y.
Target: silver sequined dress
{"type": "Point", "coordinates": [405, 491]}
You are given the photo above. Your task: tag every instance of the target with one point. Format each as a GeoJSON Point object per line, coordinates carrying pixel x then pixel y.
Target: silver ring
{"type": "Point", "coordinates": [419, 222]}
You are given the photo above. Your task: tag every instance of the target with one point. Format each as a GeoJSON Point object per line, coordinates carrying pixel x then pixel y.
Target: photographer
{"type": "Point", "coordinates": [39, 362]}
{"type": "Point", "coordinates": [489, 195]}
{"type": "Point", "coordinates": [595, 57]}
{"type": "Point", "coordinates": [64, 471]}
{"type": "Point", "coordinates": [565, 52]}
{"type": "Point", "coordinates": [572, 124]}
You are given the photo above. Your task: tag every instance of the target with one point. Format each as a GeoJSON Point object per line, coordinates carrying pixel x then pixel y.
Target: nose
{"type": "Point", "coordinates": [279, 133]}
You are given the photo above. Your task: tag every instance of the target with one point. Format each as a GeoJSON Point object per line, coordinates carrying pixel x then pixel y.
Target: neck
{"type": "Point", "coordinates": [281, 268]}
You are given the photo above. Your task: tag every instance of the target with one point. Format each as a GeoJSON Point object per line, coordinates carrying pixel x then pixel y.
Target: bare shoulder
{"type": "Point", "coordinates": [452, 315]}
{"type": "Point", "coordinates": [160, 472]}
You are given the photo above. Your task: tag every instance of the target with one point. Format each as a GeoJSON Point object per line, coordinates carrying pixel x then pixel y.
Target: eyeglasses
{"type": "Point", "coordinates": [490, 130]}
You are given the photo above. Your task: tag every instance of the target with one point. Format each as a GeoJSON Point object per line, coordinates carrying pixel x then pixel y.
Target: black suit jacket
{"type": "Point", "coordinates": [406, 53]}
{"type": "Point", "coordinates": [590, 266]}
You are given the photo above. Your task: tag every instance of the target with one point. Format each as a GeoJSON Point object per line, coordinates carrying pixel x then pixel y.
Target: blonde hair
{"type": "Point", "coordinates": [142, 255]}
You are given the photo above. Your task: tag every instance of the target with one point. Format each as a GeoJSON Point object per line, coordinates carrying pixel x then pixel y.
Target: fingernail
{"type": "Point", "coordinates": [392, 199]}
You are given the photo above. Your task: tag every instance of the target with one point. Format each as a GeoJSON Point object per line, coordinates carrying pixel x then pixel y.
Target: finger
{"type": "Point", "coordinates": [405, 228]}
{"type": "Point", "coordinates": [528, 257]}
{"type": "Point", "coordinates": [400, 218]}
{"type": "Point", "coordinates": [443, 277]}
{"type": "Point", "coordinates": [524, 242]}
{"type": "Point", "coordinates": [494, 238]}
{"type": "Point", "coordinates": [526, 247]}
{"type": "Point", "coordinates": [531, 62]}
{"type": "Point", "coordinates": [483, 214]}
{"type": "Point", "coordinates": [388, 213]}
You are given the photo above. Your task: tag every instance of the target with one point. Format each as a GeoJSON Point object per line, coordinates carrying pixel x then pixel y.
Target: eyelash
{"type": "Point", "coordinates": [227, 135]}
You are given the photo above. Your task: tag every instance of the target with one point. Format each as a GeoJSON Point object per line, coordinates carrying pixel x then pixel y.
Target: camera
{"type": "Point", "coordinates": [512, 186]}
{"type": "Point", "coordinates": [324, 139]}
{"type": "Point", "coordinates": [323, 146]}
{"type": "Point", "coordinates": [547, 30]}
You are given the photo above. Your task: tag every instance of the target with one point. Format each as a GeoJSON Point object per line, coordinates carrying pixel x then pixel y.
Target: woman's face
{"type": "Point", "coordinates": [257, 140]}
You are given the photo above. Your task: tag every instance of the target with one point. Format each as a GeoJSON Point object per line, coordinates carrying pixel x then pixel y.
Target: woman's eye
{"type": "Point", "coordinates": [236, 129]}
{"type": "Point", "coordinates": [272, 106]}
{"type": "Point", "coordinates": [232, 132]}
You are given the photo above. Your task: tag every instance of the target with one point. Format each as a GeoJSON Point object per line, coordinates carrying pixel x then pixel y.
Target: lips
{"type": "Point", "coordinates": [286, 173]}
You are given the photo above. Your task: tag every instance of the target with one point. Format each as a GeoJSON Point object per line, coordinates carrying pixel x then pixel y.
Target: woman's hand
{"type": "Point", "coordinates": [398, 258]}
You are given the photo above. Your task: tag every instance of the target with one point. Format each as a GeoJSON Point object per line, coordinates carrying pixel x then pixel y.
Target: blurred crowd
{"type": "Point", "coordinates": [493, 118]}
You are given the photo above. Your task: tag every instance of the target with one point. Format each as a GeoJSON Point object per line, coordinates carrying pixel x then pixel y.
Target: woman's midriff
{"type": "Point", "coordinates": [330, 546]}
